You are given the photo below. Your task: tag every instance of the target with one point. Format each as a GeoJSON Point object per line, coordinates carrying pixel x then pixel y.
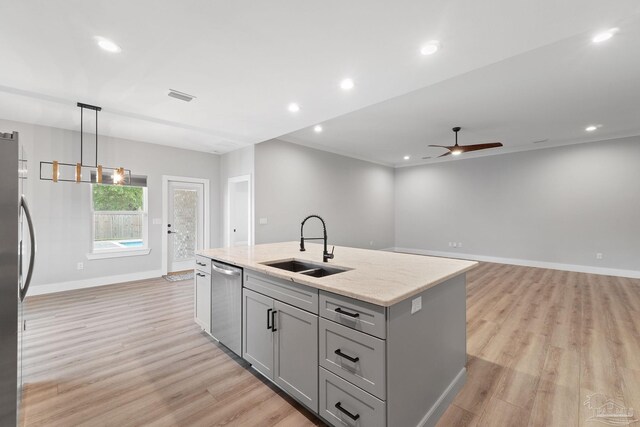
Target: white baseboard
{"type": "Point", "coordinates": [633, 274]}
{"type": "Point", "coordinates": [50, 288]}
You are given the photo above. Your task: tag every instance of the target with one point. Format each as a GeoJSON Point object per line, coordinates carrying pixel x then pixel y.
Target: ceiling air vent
{"type": "Point", "coordinates": [180, 95]}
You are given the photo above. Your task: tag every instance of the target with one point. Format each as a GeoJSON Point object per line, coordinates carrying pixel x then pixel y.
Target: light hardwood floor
{"type": "Point", "coordinates": [539, 343]}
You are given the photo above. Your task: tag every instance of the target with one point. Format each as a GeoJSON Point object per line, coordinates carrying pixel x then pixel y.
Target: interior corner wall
{"type": "Point", "coordinates": [560, 206]}
{"type": "Point", "coordinates": [233, 164]}
{"type": "Point", "coordinates": [355, 198]}
{"type": "Point", "coordinates": [62, 212]}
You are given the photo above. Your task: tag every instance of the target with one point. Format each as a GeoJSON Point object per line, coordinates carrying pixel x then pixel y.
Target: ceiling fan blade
{"type": "Point", "coordinates": [448, 147]}
{"type": "Point", "coordinates": [425, 158]}
{"type": "Point", "coordinates": [476, 147]}
{"type": "Point", "coordinates": [448, 153]}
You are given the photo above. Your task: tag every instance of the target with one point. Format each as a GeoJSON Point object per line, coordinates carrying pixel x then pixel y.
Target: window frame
{"type": "Point", "coordinates": [121, 252]}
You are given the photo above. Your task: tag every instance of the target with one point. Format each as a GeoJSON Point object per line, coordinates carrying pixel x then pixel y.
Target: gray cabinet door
{"type": "Point", "coordinates": [258, 337]}
{"type": "Point", "coordinates": [202, 305]}
{"type": "Point", "coordinates": [296, 353]}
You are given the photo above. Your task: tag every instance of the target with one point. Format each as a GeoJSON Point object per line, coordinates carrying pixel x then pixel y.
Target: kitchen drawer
{"type": "Point", "coordinates": [359, 315]}
{"type": "Point", "coordinates": [334, 391]}
{"type": "Point", "coordinates": [338, 344]}
{"type": "Point", "coordinates": [203, 264]}
{"type": "Point", "coordinates": [301, 296]}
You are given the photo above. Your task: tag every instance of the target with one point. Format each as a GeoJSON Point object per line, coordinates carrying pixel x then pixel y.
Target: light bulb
{"type": "Point", "coordinates": [347, 84]}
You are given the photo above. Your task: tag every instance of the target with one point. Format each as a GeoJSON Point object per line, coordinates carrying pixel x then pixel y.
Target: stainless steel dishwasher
{"type": "Point", "coordinates": [226, 305]}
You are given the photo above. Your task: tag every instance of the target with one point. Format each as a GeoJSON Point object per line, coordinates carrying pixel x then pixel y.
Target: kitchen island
{"type": "Point", "coordinates": [371, 338]}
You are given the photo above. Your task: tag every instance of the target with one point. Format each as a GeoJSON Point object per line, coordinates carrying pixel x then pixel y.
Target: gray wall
{"type": "Point", "coordinates": [236, 163]}
{"type": "Point", "coordinates": [62, 212]}
{"type": "Point", "coordinates": [354, 197]}
{"type": "Point", "coordinates": [560, 205]}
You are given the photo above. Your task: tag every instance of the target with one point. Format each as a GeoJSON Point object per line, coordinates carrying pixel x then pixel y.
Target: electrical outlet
{"type": "Point", "coordinates": [599, 255]}
{"type": "Point", "coordinates": [263, 221]}
{"type": "Point", "coordinates": [80, 266]}
{"type": "Point", "coordinates": [416, 305]}
{"type": "Point", "coordinates": [371, 243]}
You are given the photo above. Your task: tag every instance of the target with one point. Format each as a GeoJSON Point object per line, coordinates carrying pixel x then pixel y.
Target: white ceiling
{"type": "Point", "coordinates": [246, 60]}
{"type": "Point", "coordinates": [551, 93]}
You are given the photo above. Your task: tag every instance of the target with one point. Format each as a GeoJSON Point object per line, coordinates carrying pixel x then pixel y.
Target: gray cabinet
{"type": "Point", "coordinates": [202, 304]}
{"type": "Point", "coordinates": [355, 356]}
{"type": "Point", "coordinates": [296, 353]}
{"type": "Point", "coordinates": [294, 294]}
{"type": "Point", "coordinates": [343, 404]}
{"type": "Point", "coordinates": [257, 337]}
{"type": "Point", "coordinates": [281, 342]}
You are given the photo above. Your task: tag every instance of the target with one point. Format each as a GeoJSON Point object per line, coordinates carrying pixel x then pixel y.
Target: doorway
{"type": "Point", "coordinates": [185, 220]}
{"type": "Point", "coordinates": [239, 218]}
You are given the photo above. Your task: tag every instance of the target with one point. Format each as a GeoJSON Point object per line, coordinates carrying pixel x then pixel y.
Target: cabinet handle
{"type": "Point", "coordinates": [341, 354]}
{"type": "Point", "coordinates": [199, 275]}
{"type": "Point", "coordinates": [201, 264]}
{"type": "Point", "coordinates": [268, 318]}
{"type": "Point", "coordinates": [347, 413]}
{"type": "Point", "coordinates": [273, 320]}
{"type": "Point", "coordinates": [346, 313]}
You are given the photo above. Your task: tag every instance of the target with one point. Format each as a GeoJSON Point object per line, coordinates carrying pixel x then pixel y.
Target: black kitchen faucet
{"type": "Point", "coordinates": [326, 256]}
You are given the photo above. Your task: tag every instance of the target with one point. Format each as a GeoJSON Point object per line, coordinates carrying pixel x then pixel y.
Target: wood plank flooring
{"type": "Point", "coordinates": [540, 342]}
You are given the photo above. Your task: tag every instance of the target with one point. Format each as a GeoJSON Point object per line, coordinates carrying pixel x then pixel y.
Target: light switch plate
{"type": "Point", "coordinates": [157, 221]}
{"type": "Point", "coordinates": [263, 221]}
{"type": "Point", "coordinates": [416, 305]}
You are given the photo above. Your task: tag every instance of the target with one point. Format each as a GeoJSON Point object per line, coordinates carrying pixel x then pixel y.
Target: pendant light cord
{"type": "Point", "coordinates": [81, 132]}
{"type": "Point", "coordinates": [96, 165]}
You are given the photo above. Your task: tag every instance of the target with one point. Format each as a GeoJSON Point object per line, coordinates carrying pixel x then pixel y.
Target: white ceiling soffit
{"type": "Point", "coordinates": [543, 98]}
{"type": "Point", "coordinates": [245, 61]}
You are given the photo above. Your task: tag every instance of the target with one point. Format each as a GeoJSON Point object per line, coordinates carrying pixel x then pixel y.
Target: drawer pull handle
{"type": "Point", "coordinates": [347, 413]}
{"type": "Point", "coordinates": [199, 275]}
{"type": "Point", "coordinates": [341, 354]}
{"type": "Point", "coordinates": [201, 264]}
{"type": "Point", "coordinates": [346, 313]}
{"type": "Point", "coordinates": [269, 318]}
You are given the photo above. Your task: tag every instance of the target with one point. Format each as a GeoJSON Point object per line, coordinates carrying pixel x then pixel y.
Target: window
{"type": "Point", "coordinates": [119, 219]}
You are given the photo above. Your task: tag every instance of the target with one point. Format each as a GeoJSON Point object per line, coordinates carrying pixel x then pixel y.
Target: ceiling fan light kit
{"type": "Point", "coordinates": [457, 149]}
{"type": "Point", "coordinates": [80, 172]}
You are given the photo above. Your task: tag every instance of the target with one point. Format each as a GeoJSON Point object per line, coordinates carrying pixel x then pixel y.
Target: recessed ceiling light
{"type": "Point", "coordinates": [604, 36]}
{"type": "Point", "coordinates": [406, 157]}
{"type": "Point", "coordinates": [107, 45]}
{"type": "Point", "coordinates": [430, 48]}
{"type": "Point", "coordinates": [293, 107]}
{"type": "Point", "coordinates": [317, 128]}
{"type": "Point", "coordinates": [346, 84]}
{"type": "Point", "coordinates": [591, 128]}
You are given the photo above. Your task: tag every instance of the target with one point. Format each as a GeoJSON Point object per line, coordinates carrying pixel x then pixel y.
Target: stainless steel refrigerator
{"type": "Point", "coordinates": [17, 256]}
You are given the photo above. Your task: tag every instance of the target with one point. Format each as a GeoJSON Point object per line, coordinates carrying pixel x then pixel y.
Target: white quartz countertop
{"type": "Point", "coordinates": [379, 277]}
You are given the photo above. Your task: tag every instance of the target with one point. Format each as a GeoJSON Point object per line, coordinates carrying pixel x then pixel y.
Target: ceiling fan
{"type": "Point", "coordinates": [459, 149]}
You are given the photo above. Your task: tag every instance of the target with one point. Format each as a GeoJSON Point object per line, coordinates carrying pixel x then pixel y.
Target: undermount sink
{"type": "Point", "coordinates": [305, 267]}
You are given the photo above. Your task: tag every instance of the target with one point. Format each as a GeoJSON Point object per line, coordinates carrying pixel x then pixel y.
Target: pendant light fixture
{"type": "Point", "coordinates": [81, 172]}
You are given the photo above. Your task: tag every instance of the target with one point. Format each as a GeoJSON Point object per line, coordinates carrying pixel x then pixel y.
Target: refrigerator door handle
{"type": "Point", "coordinates": [32, 235]}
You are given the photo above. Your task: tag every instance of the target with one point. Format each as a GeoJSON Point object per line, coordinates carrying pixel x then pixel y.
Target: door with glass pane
{"type": "Point", "coordinates": [185, 225]}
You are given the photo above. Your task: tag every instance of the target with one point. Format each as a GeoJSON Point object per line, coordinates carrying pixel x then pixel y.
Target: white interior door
{"type": "Point", "coordinates": [239, 215]}
{"type": "Point", "coordinates": [185, 224]}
